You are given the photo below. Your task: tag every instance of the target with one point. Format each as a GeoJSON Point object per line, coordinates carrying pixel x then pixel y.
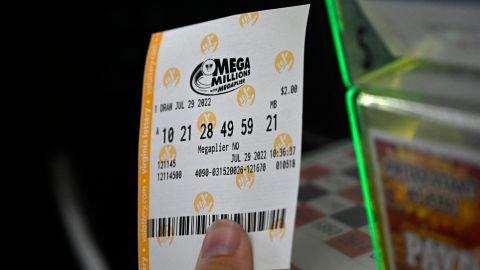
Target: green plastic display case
{"type": "Point", "coordinates": [412, 69]}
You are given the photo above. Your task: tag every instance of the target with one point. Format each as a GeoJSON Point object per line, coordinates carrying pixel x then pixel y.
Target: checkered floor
{"type": "Point", "coordinates": [331, 224]}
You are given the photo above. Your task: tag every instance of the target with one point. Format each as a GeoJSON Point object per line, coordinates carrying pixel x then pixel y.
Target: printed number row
{"type": "Point", "coordinates": [207, 129]}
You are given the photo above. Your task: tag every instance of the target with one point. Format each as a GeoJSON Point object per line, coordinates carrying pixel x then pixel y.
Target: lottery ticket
{"type": "Point", "coordinates": [220, 136]}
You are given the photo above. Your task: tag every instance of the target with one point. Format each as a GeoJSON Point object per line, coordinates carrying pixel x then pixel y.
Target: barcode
{"type": "Point", "coordinates": [198, 225]}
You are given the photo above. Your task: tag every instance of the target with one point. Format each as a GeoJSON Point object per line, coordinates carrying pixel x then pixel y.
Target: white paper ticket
{"type": "Point", "coordinates": [220, 136]}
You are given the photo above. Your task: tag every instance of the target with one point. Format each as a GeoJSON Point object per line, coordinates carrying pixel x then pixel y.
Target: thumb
{"type": "Point", "coordinates": [226, 246]}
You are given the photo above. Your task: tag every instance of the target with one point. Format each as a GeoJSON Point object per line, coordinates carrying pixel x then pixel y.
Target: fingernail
{"type": "Point", "coordinates": [223, 238]}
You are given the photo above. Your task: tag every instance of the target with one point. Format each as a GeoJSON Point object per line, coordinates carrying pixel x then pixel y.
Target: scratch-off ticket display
{"type": "Point", "coordinates": [429, 200]}
{"type": "Point", "coordinates": [220, 136]}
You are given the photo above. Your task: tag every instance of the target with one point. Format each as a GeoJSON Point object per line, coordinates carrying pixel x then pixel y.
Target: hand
{"type": "Point", "coordinates": [226, 246]}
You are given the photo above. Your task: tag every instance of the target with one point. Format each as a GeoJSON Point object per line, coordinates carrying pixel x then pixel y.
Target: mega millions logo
{"type": "Point", "coordinates": [282, 142]}
{"type": "Point", "coordinates": [246, 95]}
{"type": "Point", "coordinates": [205, 119]}
{"type": "Point", "coordinates": [168, 153]}
{"type": "Point", "coordinates": [245, 179]}
{"type": "Point", "coordinates": [248, 19]}
{"type": "Point", "coordinates": [284, 61]}
{"type": "Point", "coordinates": [171, 78]}
{"type": "Point", "coordinates": [278, 230]}
{"type": "Point", "coordinates": [203, 203]}
{"type": "Point", "coordinates": [209, 43]}
{"type": "Point", "coordinates": [220, 75]}
{"type": "Point", "coordinates": [166, 237]}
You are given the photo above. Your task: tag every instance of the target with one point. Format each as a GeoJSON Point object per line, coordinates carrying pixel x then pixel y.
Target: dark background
{"type": "Point", "coordinates": [93, 112]}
